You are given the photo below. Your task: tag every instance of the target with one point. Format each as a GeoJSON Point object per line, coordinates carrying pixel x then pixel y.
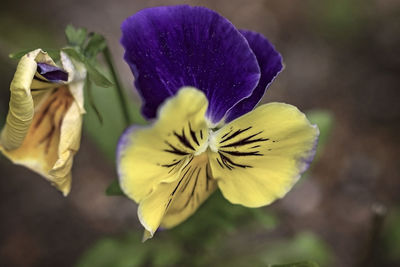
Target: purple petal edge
{"type": "Point", "coordinates": [123, 142]}
{"type": "Point", "coordinates": [306, 161]}
{"type": "Point", "coordinates": [270, 62]}
{"type": "Point", "coordinates": [52, 73]}
{"type": "Point", "coordinates": [174, 46]}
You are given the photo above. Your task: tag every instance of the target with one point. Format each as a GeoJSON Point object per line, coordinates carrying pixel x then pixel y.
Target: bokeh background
{"type": "Point", "coordinates": [342, 61]}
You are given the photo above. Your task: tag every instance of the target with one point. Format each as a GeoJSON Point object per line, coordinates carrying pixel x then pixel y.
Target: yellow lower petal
{"type": "Point", "coordinates": [258, 157]}
{"type": "Point", "coordinates": [172, 203]}
{"type": "Point", "coordinates": [163, 167]}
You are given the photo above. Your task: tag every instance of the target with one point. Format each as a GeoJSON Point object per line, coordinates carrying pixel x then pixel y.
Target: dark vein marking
{"type": "Point", "coordinates": [188, 180]}
{"type": "Point", "coordinates": [44, 113]}
{"type": "Point", "coordinates": [182, 138]}
{"type": "Point", "coordinates": [230, 164]}
{"type": "Point", "coordinates": [220, 164]}
{"type": "Point", "coordinates": [226, 134]}
{"type": "Point", "coordinates": [183, 176]}
{"type": "Point", "coordinates": [187, 165]}
{"type": "Point", "coordinates": [171, 165]}
{"type": "Point", "coordinates": [193, 134]}
{"type": "Point", "coordinates": [239, 153]}
{"type": "Point", "coordinates": [208, 178]}
{"type": "Point", "coordinates": [40, 79]}
{"type": "Point", "coordinates": [246, 141]}
{"type": "Point", "coordinates": [194, 188]}
{"type": "Point", "coordinates": [236, 133]}
{"type": "Point", "coordinates": [38, 90]}
{"type": "Point", "coordinates": [175, 150]}
{"type": "Point", "coordinates": [201, 134]}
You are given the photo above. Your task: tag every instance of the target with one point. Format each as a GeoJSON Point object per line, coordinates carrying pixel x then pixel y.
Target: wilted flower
{"type": "Point", "coordinates": [205, 77]}
{"type": "Point", "coordinates": [44, 122]}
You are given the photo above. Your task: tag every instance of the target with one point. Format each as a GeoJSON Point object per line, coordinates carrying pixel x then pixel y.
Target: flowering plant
{"type": "Point", "coordinates": [200, 79]}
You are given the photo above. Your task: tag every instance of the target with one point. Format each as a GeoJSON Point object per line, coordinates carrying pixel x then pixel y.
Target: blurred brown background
{"type": "Point", "coordinates": [340, 55]}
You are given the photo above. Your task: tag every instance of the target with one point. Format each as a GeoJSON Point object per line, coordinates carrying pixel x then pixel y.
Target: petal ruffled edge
{"type": "Point", "coordinates": [174, 46]}
{"type": "Point", "coordinates": [270, 62]}
{"type": "Point", "coordinates": [261, 155]}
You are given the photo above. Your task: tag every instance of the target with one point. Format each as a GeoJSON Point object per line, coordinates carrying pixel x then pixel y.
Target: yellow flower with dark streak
{"type": "Point", "coordinates": [44, 121]}
{"type": "Point", "coordinates": [200, 80]}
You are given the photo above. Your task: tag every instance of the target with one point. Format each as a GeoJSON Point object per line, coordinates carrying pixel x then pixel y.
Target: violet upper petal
{"type": "Point", "coordinates": [175, 46]}
{"type": "Point", "coordinates": [270, 62]}
{"type": "Point", "coordinates": [52, 73]}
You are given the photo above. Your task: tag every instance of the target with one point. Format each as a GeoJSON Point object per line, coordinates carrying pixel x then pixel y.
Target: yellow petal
{"type": "Point", "coordinates": [154, 163]}
{"type": "Point", "coordinates": [258, 157]}
{"type": "Point", "coordinates": [172, 203]}
{"type": "Point", "coordinates": [43, 124]}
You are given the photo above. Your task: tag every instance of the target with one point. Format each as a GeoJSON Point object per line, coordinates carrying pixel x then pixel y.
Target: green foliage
{"type": "Point", "coordinates": [304, 246]}
{"type": "Point", "coordinates": [391, 236]}
{"type": "Point", "coordinates": [105, 135]}
{"type": "Point", "coordinates": [204, 240]}
{"type": "Point", "coordinates": [297, 264]}
{"type": "Point", "coordinates": [75, 36]}
{"type": "Point", "coordinates": [96, 44]}
{"type": "Point", "coordinates": [85, 47]}
{"type": "Point", "coordinates": [338, 20]}
{"type": "Point", "coordinates": [128, 251]}
{"type": "Point", "coordinates": [324, 120]}
{"type": "Point", "coordinates": [114, 189]}
{"type": "Point", "coordinates": [94, 73]}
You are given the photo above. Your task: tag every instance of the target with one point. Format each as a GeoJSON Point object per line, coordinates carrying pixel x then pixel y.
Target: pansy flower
{"type": "Point", "coordinates": [200, 79]}
{"type": "Point", "coordinates": [44, 122]}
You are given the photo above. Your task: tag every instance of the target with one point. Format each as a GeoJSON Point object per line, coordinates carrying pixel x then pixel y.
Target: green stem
{"type": "Point", "coordinates": [121, 95]}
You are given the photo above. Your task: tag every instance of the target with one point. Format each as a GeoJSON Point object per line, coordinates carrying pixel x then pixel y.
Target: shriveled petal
{"type": "Point", "coordinates": [70, 137]}
{"type": "Point", "coordinates": [76, 79]}
{"type": "Point", "coordinates": [270, 62]}
{"type": "Point", "coordinates": [40, 147]}
{"type": "Point", "coordinates": [262, 154]}
{"type": "Point", "coordinates": [44, 121]}
{"type": "Point", "coordinates": [21, 106]}
{"type": "Point", "coordinates": [174, 46]}
{"type": "Point", "coordinates": [164, 167]}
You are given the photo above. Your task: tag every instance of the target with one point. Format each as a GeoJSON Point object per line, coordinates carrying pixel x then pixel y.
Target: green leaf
{"type": "Point", "coordinates": [53, 53]}
{"type": "Point", "coordinates": [297, 264]}
{"type": "Point", "coordinates": [96, 76]}
{"type": "Point", "coordinates": [20, 54]}
{"type": "Point", "coordinates": [75, 36]}
{"type": "Point", "coordinates": [74, 53]}
{"type": "Point", "coordinates": [91, 100]}
{"type": "Point", "coordinates": [93, 73]}
{"type": "Point", "coordinates": [95, 45]}
{"type": "Point", "coordinates": [114, 189]}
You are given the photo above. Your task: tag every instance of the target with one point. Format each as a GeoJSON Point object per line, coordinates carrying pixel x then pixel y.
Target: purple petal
{"type": "Point", "coordinates": [52, 73]}
{"type": "Point", "coordinates": [170, 47]}
{"type": "Point", "coordinates": [270, 62]}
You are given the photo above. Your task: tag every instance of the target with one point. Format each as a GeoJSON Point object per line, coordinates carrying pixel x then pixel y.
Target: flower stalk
{"type": "Point", "coordinates": [121, 94]}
